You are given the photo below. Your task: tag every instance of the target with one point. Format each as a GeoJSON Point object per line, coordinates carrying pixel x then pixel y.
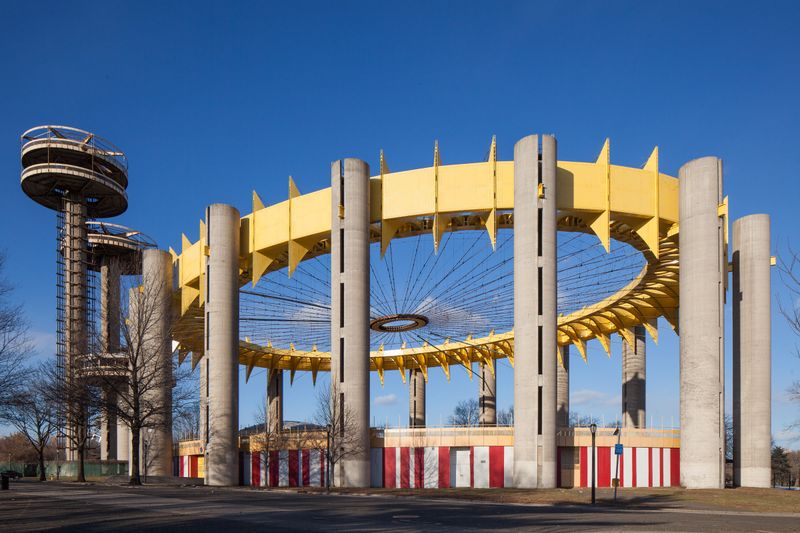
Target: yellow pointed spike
{"type": "Point", "coordinates": [559, 357]}
{"type": "Point", "coordinates": [605, 341]}
{"type": "Point", "coordinates": [600, 224]}
{"type": "Point", "coordinates": [203, 236]}
{"type": "Point", "coordinates": [261, 263]}
{"type": "Point", "coordinates": [580, 344]}
{"type": "Point", "coordinates": [298, 250]}
{"type": "Point", "coordinates": [173, 254]}
{"type": "Point", "coordinates": [651, 326]}
{"type": "Point", "coordinates": [627, 336]}
{"type": "Point", "coordinates": [649, 229]}
{"type": "Point", "coordinates": [196, 359]}
{"type": "Point", "coordinates": [188, 296]}
{"type": "Point", "coordinates": [380, 375]}
{"type": "Point", "coordinates": [185, 242]}
{"type": "Point", "coordinates": [257, 203]}
{"type": "Point", "coordinates": [384, 166]}
{"type": "Point", "coordinates": [388, 231]}
{"type": "Point", "coordinates": [605, 153]}
{"type": "Point", "coordinates": [491, 228]}
{"type": "Point", "coordinates": [294, 192]}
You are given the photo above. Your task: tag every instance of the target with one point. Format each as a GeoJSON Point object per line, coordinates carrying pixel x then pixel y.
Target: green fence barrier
{"type": "Point", "coordinates": [68, 469]}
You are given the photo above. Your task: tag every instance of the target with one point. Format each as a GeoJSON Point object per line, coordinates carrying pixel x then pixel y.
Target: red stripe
{"type": "Point", "coordinates": [603, 466]}
{"type": "Point", "coordinates": [405, 459]}
{"type": "Point", "coordinates": [496, 466]}
{"type": "Point", "coordinates": [633, 467]}
{"type": "Point", "coordinates": [584, 467]}
{"type": "Point", "coordinates": [389, 474]}
{"type": "Point", "coordinates": [293, 470]}
{"type": "Point", "coordinates": [661, 463]}
{"type": "Point", "coordinates": [255, 466]}
{"type": "Point", "coordinates": [306, 468]}
{"type": "Point", "coordinates": [444, 467]}
{"type": "Point", "coordinates": [419, 467]}
{"type": "Point", "coordinates": [273, 468]}
{"type": "Point", "coordinates": [471, 467]}
{"type": "Point", "coordinates": [193, 465]}
{"type": "Point", "coordinates": [675, 467]}
{"type": "Point", "coordinates": [649, 467]}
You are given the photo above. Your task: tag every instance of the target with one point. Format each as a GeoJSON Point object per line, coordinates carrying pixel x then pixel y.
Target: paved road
{"type": "Point", "coordinates": [32, 506]}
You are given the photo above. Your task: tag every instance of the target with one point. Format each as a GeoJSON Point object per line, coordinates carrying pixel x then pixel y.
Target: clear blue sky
{"type": "Point", "coordinates": [211, 100]}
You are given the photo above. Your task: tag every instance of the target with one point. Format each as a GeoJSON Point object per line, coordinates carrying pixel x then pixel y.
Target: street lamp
{"type": "Point", "coordinates": [617, 453]}
{"type": "Point", "coordinates": [593, 429]}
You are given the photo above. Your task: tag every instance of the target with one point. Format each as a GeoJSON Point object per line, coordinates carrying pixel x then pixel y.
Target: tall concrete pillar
{"type": "Point", "coordinates": [350, 273]}
{"type": "Point", "coordinates": [123, 442]}
{"type": "Point", "coordinates": [74, 250]}
{"type": "Point", "coordinates": [157, 294]}
{"type": "Point", "coordinates": [275, 400]}
{"type": "Point", "coordinates": [752, 353]}
{"type": "Point", "coordinates": [487, 397]}
{"type": "Point", "coordinates": [701, 324]}
{"type": "Point", "coordinates": [222, 345]}
{"type": "Point", "coordinates": [633, 381]}
{"type": "Point", "coordinates": [416, 398]}
{"type": "Point", "coordinates": [562, 392]}
{"type": "Point", "coordinates": [535, 312]}
{"type": "Point", "coordinates": [109, 343]}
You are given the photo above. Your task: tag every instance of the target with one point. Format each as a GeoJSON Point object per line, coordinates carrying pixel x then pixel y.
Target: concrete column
{"type": "Point", "coordinates": [157, 287]}
{"type": "Point", "coordinates": [222, 345]}
{"type": "Point", "coordinates": [108, 427]}
{"type": "Point", "coordinates": [535, 312]}
{"type": "Point", "coordinates": [123, 442]}
{"type": "Point", "coordinates": [350, 315]}
{"type": "Point", "coordinates": [109, 343]}
{"type": "Point", "coordinates": [74, 250]}
{"type": "Point", "coordinates": [275, 400]}
{"type": "Point", "coordinates": [109, 304]}
{"type": "Point", "coordinates": [487, 396]}
{"type": "Point", "coordinates": [752, 352]}
{"type": "Point", "coordinates": [701, 324]}
{"type": "Point", "coordinates": [562, 392]}
{"type": "Point", "coordinates": [416, 398]}
{"type": "Point", "coordinates": [633, 381]}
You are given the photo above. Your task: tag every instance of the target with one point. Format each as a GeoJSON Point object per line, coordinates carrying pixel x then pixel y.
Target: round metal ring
{"type": "Point", "coordinates": [407, 323]}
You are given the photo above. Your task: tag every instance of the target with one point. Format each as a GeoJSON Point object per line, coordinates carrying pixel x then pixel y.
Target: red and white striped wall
{"type": "Point", "coordinates": [186, 465]}
{"type": "Point", "coordinates": [442, 467]}
{"type": "Point", "coordinates": [638, 467]}
{"type": "Point", "coordinates": [283, 468]}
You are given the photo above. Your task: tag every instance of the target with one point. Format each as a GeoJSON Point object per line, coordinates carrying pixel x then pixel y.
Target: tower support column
{"type": "Point", "coordinates": [222, 345]}
{"type": "Point", "coordinates": [109, 343]}
{"type": "Point", "coordinates": [275, 401]}
{"type": "Point", "coordinates": [350, 272]}
{"type": "Point", "coordinates": [562, 394]}
{"type": "Point", "coordinates": [703, 268]}
{"type": "Point", "coordinates": [487, 397]}
{"type": "Point", "coordinates": [157, 287]}
{"type": "Point", "coordinates": [634, 362]}
{"type": "Point", "coordinates": [535, 312]}
{"type": "Point", "coordinates": [416, 398]}
{"type": "Point", "coordinates": [752, 353]}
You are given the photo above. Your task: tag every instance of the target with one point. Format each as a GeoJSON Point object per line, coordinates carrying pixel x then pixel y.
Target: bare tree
{"type": "Point", "coordinates": [78, 403]}
{"type": "Point", "coordinates": [33, 414]}
{"type": "Point", "coordinates": [506, 418]}
{"type": "Point", "coordinates": [465, 413]}
{"type": "Point", "coordinates": [15, 344]}
{"type": "Point", "coordinates": [340, 430]}
{"type": "Point", "coordinates": [789, 269]}
{"type": "Point", "coordinates": [271, 435]}
{"type": "Point", "coordinates": [141, 377]}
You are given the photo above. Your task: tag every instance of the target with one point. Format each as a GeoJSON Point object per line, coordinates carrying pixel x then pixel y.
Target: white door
{"type": "Point", "coordinates": [459, 467]}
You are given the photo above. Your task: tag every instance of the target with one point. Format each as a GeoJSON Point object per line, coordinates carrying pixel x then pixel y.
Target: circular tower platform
{"type": "Point", "coordinates": [114, 240]}
{"type": "Point", "coordinates": [60, 160]}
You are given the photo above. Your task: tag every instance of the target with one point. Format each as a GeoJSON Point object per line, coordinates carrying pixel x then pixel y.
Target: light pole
{"type": "Point", "coordinates": [593, 429]}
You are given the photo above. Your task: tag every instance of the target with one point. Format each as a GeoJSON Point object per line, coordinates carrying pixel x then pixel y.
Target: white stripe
{"type": "Point", "coordinates": [667, 467]}
{"type": "Point", "coordinates": [263, 467]}
{"type": "Point", "coordinates": [315, 461]}
{"type": "Point", "coordinates": [412, 478]}
{"type": "Point", "coordinates": [508, 466]}
{"type": "Point", "coordinates": [627, 463]}
{"type": "Point", "coordinates": [480, 467]}
{"type": "Point", "coordinates": [656, 466]}
{"type": "Point", "coordinates": [642, 467]}
{"type": "Point", "coordinates": [283, 468]}
{"type": "Point", "coordinates": [430, 472]}
{"type": "Point", "coordinates": [397, 462]}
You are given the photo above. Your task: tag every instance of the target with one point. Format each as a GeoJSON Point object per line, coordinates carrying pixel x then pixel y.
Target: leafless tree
{"type": "Point", "coordinates": [270, 434]}
{"type": "Point", "coordinates": [15, 343]}
{"type": "Point", "coordinates": [78, 403]}
{"type": "Point", "coordinates": [340, 430]}
{"type": "Point", "coordinates": [465, 413]}
{"type": "Point", "coordinates": [33, 414]}
{"type": "Point", "coordinates": [141, 377]}
{"type": "Point", "coordinates": [789, 269]}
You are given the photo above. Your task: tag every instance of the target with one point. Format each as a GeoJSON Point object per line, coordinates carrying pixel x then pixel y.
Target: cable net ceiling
{"type": "Point", "coordinates": [464, 290]}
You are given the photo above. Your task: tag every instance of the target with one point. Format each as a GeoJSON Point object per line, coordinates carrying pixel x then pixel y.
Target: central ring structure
{"type": "Point", "coordinates": [398, 323]}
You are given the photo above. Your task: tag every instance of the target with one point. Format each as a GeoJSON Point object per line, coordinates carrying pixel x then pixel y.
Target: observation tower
{"type": "Point", "coordinates": [80, 176]}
